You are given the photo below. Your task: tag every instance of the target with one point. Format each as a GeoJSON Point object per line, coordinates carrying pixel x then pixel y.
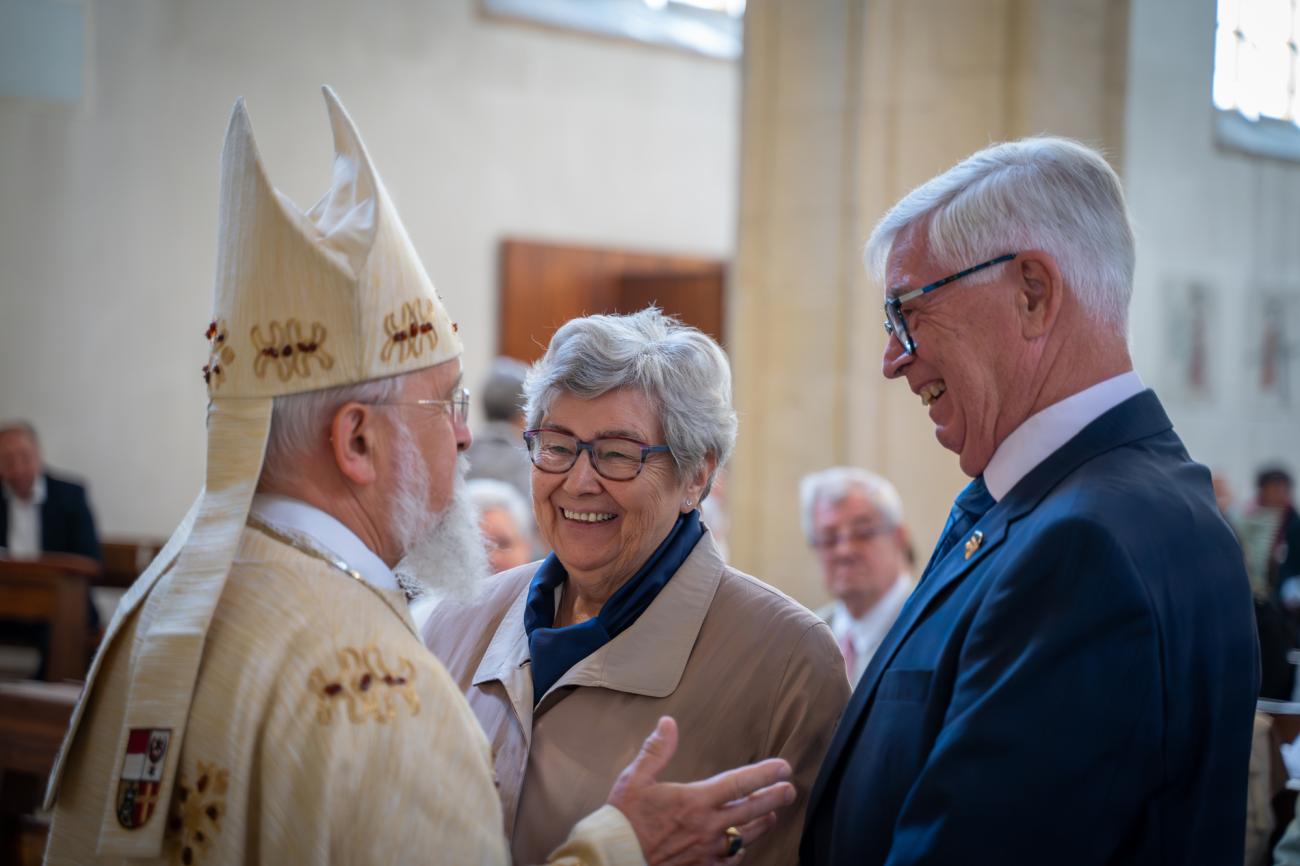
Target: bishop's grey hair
{"type": "Point", "coordinates": [683, 371]}
{"type": "Point", "coordinates": [299, 421]}
{"type": "Point", "coordinates": [834, 484]}
{"type": "Point", "coordinates": [1045, 193]}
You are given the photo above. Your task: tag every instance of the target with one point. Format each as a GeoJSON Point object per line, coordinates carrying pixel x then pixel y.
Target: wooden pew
{"type": "Point", "coordinates": [52, 590]}
{"type": "Point", "coordinates": [125, 559]}
{"type": "Point", "coordinates": [33, 718]}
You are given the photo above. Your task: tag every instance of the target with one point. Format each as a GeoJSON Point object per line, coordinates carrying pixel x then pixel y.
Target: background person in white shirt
{"type": "Point", "coordinates": [853, 520]}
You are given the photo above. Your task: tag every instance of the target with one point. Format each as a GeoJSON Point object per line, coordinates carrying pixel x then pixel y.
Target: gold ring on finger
{"type": "Point", "coordinates": [734, 841]}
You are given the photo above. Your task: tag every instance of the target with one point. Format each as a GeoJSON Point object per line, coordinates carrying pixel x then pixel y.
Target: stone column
{"type": "Point", "coordinates": [847, 104]}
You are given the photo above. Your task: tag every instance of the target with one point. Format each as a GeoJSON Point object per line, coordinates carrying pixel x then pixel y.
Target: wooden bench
{"type": "Point", "coordinates": [52, 590]}
{"type": "Point", "coordinates": [125, 559]}
{"type": "Point", "coordinates": [33, 719]}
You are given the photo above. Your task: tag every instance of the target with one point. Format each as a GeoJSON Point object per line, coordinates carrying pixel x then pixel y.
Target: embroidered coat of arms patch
{"type": "Point", "coordinates": [142, 767]}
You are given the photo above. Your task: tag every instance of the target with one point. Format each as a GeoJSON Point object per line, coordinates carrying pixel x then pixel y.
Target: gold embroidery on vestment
{"type": "Point", "coordinates": [200, 808]}
{"type": "Point", "coordinates": [289, 350]}
{"type": "Point", "coordinates": [366, 684]}
{"type": "Point", "coordinates": [412, 334]}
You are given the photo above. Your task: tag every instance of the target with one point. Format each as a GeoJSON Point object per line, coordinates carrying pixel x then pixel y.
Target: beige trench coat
{"type": "Point", "coordinates": [321, 731]}
{"type": "Point", "coordinates": [746, 672]}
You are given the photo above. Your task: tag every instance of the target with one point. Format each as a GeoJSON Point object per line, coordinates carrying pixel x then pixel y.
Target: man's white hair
{"type": "Point", "coordinates": [1046, 193]}
{"type": "Point", "coordinates": [834, 484]}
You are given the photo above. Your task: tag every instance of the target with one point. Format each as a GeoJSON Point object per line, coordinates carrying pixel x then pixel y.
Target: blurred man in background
{"type": "Point", "coordinates": [498, 449]}
{"type": "Point", "coordinates": [1280, 547]}
{"type": "Point", "coordinates": [853, 520]}
{"type": "Point", "coordinates": [506, 522]}
{"type": "Point", "coordinates": [42, 513]}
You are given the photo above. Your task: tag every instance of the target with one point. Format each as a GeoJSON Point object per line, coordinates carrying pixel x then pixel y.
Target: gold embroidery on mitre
{"type": "Point", "coordinates": [366, 684]}
{"type": "Point", "coordinates": [412, 334]}
{"type": "Point", "coordinates": [289, 350]}
{"type": "Point", "coordinates": [199, 809]}
{"type": "Point", "coordinates": [220, 355]}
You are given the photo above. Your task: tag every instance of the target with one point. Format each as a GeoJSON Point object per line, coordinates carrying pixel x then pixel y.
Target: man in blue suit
{"type": "Point", "coordinates": [1073, 680]}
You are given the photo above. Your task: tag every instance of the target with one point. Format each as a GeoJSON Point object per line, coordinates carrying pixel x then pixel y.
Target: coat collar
{"type": "Point", "coordinates": [648, 658]}
{"type": "Point", "coordinates": [1137, 418]}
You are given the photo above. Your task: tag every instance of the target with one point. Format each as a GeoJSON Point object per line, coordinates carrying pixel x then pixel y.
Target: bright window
{"type": "Point", "coordinates": [1256, 60]}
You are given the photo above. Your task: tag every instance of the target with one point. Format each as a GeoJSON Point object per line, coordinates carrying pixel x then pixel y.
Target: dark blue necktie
{"type": "Point", "coordinates": [972, 503]}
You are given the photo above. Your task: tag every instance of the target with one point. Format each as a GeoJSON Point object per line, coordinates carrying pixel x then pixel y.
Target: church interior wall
{"type": "Point", "coordinates": [481, 129]}
{"type": "Point", "coordinates": [1218, 270]}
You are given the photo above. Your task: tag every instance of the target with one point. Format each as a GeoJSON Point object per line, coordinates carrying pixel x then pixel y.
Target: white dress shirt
{"type": "Point", "coordinates": [867, 633]}
{"type": "Point", "coordinates": [317, 530]}
{"type": "Point", "coordinates": [25, 521]}
{"type": "Point", "coordinates": [1044, 432]}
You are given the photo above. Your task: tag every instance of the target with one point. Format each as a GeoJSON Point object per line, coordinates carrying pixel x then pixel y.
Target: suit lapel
{"type": "Point", "coordinates": [949, 571]}
{"type": "Point", "coordinates": [1137, 418]}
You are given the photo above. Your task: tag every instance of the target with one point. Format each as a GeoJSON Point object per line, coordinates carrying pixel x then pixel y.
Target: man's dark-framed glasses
{"type": "Point", "coordinates": [896, 322]}
{"type": "Point", "coordinates": [614, 457]}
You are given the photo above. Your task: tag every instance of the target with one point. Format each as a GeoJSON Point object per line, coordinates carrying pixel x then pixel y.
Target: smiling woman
{"type": "Point", "coordinates": [635, 615]}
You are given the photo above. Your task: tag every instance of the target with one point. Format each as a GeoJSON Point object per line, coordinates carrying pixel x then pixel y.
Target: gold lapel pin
{"type": "Point", "coordinates": [973, 544]}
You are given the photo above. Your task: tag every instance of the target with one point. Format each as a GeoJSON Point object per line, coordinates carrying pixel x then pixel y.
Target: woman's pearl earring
{"type": "Point", "coordinates": [688, 503]}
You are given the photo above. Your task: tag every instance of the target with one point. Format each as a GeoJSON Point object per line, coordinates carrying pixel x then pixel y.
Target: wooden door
{"type": "Point", "coordinates": [544, 285]}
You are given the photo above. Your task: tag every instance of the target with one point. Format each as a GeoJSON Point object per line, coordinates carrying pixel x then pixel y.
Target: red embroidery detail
{"type": "Point", "coordinates": [333, 689]}
{"type": "Point", "coordinates": [364, 685]}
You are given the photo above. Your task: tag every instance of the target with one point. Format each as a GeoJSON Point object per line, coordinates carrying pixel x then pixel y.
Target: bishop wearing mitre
{"type": "Point", "coordinates": [261, 694]}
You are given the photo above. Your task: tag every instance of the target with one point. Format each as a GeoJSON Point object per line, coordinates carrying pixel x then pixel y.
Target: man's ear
{"type": "Point", "coordinates": [1040, 292]}
{"type": "Point", "coordinates": [352, 442]}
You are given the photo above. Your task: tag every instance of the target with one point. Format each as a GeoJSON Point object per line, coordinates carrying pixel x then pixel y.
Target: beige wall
{"type": "Point", "coordinates": [480, 129]}
{"type": "Point", "coordinates": [1218, 218]}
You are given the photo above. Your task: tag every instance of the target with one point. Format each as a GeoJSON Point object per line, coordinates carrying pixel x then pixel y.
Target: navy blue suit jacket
{"type": "Point", "coordinates": [66, 522]}
{"type": "Point", "coordinates": [1080, 690]}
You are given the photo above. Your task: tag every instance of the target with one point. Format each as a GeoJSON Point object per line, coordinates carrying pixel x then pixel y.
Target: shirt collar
{"type": "Point", "coordinates": [1044, 432]}
{"type": "Point", "coordinates": [38, 492]}
{"type": "Point", "coordinates": [878, 617]}
{"type": "Point", "coordinates": [296, 518]}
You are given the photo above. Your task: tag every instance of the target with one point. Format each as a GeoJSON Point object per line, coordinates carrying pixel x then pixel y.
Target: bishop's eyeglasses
{"type": "Point", "coordinates": [457, 405]}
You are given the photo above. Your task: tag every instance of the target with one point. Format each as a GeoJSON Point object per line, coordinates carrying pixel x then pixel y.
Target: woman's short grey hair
{"type": "Point", "coordinates": [486, 494]}
{"type": "Point", "coordinates": [1051, 194]}
{"type": "Point", "coordinates": [832, 485]}
{"type": "Point", "coordinates": [300, 421]}
{"type": "Point", "coordinates": [684, 372]}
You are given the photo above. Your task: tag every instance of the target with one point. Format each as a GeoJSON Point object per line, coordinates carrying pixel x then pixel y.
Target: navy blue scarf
{"type": "Point", "coordinates": [555, 650]}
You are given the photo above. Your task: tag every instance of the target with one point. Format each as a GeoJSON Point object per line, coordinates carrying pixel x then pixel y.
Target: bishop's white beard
{"type": "Point", "coordinates": [443, 553]}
